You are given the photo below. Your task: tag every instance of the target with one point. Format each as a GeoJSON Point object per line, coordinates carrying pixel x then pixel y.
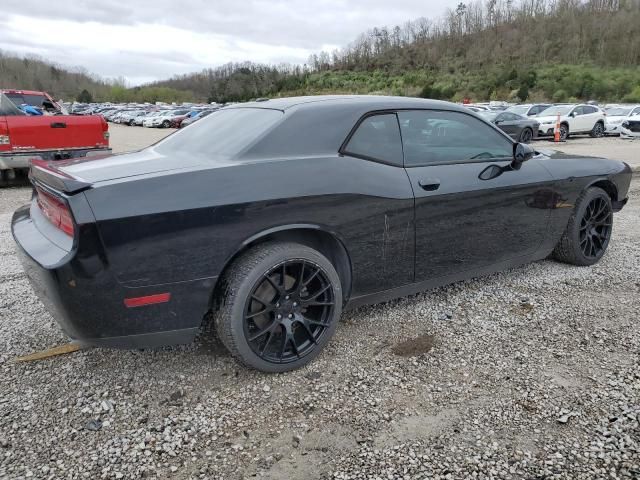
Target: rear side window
{"type": "Point", "coordinates": [33, 100]}
{"type": "Point", "coordinates": [377, 138]}
{"type": "Point", "coordinates": [432, 137]}
{"type": "Point", "coordinates": [508, 117]}
{"type": "Point", "coordinates": [225, 133]}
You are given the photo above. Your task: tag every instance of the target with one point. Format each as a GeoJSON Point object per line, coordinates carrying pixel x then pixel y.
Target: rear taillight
{"type": "Point", "coordinates": [56, 211]}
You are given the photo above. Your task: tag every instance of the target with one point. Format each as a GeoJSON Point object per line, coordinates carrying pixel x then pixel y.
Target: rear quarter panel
{"type": "Point", "coordinates": [187, 225]}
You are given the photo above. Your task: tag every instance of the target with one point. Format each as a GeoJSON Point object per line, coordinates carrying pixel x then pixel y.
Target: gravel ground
{"type": "Point", "coordinates": [531, 373]}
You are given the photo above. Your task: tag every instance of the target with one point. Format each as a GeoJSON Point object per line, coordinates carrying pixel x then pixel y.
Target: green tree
{"type": "Point", "coordinates": [523, 92]}
{"type": "Point", "coordinates": [85, 96]}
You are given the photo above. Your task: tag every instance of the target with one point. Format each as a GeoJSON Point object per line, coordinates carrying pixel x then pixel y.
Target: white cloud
{"type": "Point", "coordinates": [148, 40]}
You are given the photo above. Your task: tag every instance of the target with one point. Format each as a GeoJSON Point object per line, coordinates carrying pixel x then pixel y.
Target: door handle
{"type": "Point", "coordinates": [429, 184]}
{"type": "Point", "coordinates": [58, 125]}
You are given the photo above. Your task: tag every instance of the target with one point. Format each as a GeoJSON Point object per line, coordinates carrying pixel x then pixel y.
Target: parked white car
{"type": "Point", "coordinates": [573, 119]}
{"type": "Point", "coordinates": [129, 118]}
{"type": "Point", "coordinates": [630, 126]}
{"type": "Point", "coordinates": [617, 115]}
{"type": "Point", "coordinates": [163, 119]}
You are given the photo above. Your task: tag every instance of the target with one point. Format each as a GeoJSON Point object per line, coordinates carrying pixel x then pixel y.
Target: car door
{"type": "Point", "coordinates": [462, 222]}
{"type": "Point", "coordinates": [582, 120]}
{"type": "Point", "coordinates": [591, 116]}
{"type": "Point", "coordinates": [382, 239]}
{"type": "Point", "coordinates": [508, 123]}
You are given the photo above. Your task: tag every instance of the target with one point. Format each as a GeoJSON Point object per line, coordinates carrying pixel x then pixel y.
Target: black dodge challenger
{"type": "Point", "coordinates": [277, 215]}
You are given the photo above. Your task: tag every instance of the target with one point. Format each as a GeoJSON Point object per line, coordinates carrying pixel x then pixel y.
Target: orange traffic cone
{"type": "Point", "coordinates": [556, 132]}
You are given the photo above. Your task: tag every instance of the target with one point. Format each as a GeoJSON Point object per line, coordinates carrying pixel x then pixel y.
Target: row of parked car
{"type": "Point", "coordinates": [147, 115]}
{"type": "Point", "coordinates": [523, 122]}
{"type": "Point", "coordinates": [528, 121]}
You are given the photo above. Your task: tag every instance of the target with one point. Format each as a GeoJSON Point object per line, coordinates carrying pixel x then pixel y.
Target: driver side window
{"type": "Point", "coordinates": [436, 137]}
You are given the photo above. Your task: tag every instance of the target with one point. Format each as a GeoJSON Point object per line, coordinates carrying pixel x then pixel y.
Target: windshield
{"type": "Point", "coordinates": [225, 133]}
{"type": "Point", "coordinates": [554, 110]}
{"type": "Point", "coordinates": [619, 111]}
{"type": "Point", "coordinates": [519, 109]}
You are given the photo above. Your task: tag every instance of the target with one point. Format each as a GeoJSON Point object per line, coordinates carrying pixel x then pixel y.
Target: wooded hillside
{"type": "Point", "coordinates": [558, 50]}
{"type": "Point", "coordinates": [541, 49]}
{"type": "Point", "coordinates": [32, 73]}
{"type": "Point", "coordinates": [36, 74]}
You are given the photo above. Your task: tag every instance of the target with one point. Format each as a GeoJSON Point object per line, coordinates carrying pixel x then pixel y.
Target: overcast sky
{"type": "Point", "coordinates": [145, 40]}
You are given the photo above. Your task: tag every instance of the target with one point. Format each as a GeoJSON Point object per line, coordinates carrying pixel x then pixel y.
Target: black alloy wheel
{"type": "Point", "coordinates": [288, 311]}
{"type": "Point", "coordinates": [526, 135]}
{"type": "Point", "coordinates": [595, 228]}
{"type": "Point", "coordinates": [278, 305]}
{"type": "Point", "coordinates": [588, 232]}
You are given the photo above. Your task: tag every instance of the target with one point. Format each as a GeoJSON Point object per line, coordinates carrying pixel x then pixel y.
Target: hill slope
{"type": "Point", "coordinates": [539, 49]}
{"type": "Point", "coordinates": [36, 74]}
{"type": "Point", "coordinates": [558, 50]}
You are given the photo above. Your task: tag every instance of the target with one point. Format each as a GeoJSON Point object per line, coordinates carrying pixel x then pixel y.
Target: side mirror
{"type": "Point", "coordinates": [521, 153]}
{"type": "Point", "coordinates": [573, 114]}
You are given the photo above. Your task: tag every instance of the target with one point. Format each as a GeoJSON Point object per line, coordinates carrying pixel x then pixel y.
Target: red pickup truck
{"type": "Point", "coordinates": [50, 136]}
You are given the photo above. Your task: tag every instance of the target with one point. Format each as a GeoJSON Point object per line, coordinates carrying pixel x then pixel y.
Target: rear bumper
{"type": "Point", "coordinates": [78, 290]}
{"type": "Point", "coordinates": [612, 128]}
{"type": "Point", "coordinates": [23, 159]}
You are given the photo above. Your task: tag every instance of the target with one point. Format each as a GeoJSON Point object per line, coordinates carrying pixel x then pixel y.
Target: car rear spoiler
{"type": "Point", "coordinates": [42, 171]}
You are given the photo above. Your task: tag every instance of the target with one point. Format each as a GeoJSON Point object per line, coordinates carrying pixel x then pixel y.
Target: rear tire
{"type": "Point", "coordinates": [587, 235]}
{"type": "Point", "coordinates": [271, 316]}
{"type": "Point", "coordinates": [597, 131]}
{"type": "Point", "coordinates": [526, 135]}
{"type": "Point", "coordinates": [166, 124]}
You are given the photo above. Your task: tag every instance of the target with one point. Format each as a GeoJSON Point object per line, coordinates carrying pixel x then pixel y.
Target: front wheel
{"type": "Point", "coordinates": [588, 232]}
{"type": "Point", "coordinates": [564, 132]}
{"type": "Point", "coordinates": [166, 124]}
{"type": "Point", "coordinates": [280, 305]}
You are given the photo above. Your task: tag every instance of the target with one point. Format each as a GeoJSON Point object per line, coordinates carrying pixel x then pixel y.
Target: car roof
{"type": "Point", "coordinates": [319, 125]}
{"type": "Point", "coordinates": [372, 102]}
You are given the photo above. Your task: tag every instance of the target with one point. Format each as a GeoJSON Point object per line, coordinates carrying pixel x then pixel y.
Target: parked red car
{"type": "Point", "coordinates": [51, 135]}
{"type": "Point", "coordinates": [176, 122]}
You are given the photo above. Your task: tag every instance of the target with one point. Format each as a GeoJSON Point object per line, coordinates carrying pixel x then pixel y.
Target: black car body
{"type": "Point", "coordinates": [519, 128]}
{"type": "Point", "coordinates": [398, 194]}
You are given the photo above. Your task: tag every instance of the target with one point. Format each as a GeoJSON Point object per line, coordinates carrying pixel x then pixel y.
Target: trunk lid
{"type": "Point", "coordinates": [79, 173]}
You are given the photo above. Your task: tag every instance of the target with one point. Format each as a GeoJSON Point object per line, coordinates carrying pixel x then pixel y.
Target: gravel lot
{"type": "Point", "coordinates": [531, 373]}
